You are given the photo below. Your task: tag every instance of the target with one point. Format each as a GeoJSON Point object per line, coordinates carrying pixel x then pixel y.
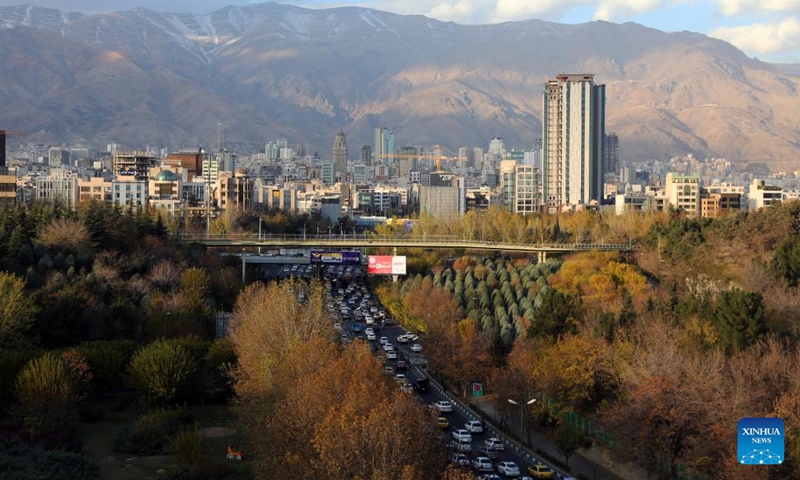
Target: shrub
{"type": "Point", "coordinates": [11, 363]}
{"type": "Point", "coordinates": [187, 446]}
{"type": "Point", "coordinates": [22, 462]}
{"type": "Point", "coordinates": [45, 390]}
{"type": "Point", "coordinates": [220, 354]}
{"type": "Point", "coordinates": [162, 369]}
{"type": "Point", "coordinates": [149, 433]}
{"type": "Point", "coordinates": [108, 360]}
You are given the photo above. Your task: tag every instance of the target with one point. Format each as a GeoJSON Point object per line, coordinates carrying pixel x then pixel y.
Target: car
{"type": "Point", "coordinates": [370, 336]}
{"type": "Point", "coordinates": [459, 459]}
{"type": "Point", "coordinates": [463, 446]}
{"type": "Point", "coordinates": [421, 385]}
{"type": "Point", "coordinates": [488, 452]}
{"type": "Point", "coordinates": [442, 423]}
{"type": "Point", "coordinates": [400, 377]}
{"type": "Point", "coordinates": [356, 327]}
{"type": "Point", "coordinates": [482, 464]}
{"type": "Point", "coordinates": [495, 443]}
{"type": "Point", "coordinates": [416, 347]}
{"type": "Point", "coordinates": [384, 340]}
{"type": "Point", "coordinates": [489, 476]}
{"type": "Point", "coordinates": [540, 471]}
{"type": "Point", "coordinates": [369, 330]}
{"type": "Point", "coordinates": [473, 426]}
{"type": "Point", "coordinates": [509, 469]}
{"type": "Point", "coordinates": [391, 355]}
{"type": "Point", "coordinates": [413, 337]}
{"type": "Point", "coordinates": [388, 369]}
{"type": "Point", "coordinates": [344, 338]}
{"type": "Point", "coordinates": [369, 320]}
{"type": "Point", "coordinates": [461, 434]}
{"type": "Point", "coordinates": [402, 339]}
{"type": "Point", "coordinates": [401, 365]}
{"type": "Point", "coordinates": [444, 406]}
{"type": "Point", "coordinates": [337, 326]}
{"type": "Point", "coordinates": [388, 347]}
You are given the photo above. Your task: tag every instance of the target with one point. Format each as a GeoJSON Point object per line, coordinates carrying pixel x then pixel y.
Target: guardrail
{"type": "Point", "coordinates": [403, 241]}
{"type": "Point", "coordinates": [510, 443]}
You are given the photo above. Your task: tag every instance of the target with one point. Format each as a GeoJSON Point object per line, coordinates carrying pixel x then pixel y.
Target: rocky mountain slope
{"type": "Point", "coordinates": [269, 70]}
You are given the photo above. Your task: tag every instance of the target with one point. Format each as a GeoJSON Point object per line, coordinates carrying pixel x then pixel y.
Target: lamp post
{"type": "Point", "coordinates": [521, 413]}
{"type": "Point", "coordinates": [165, 323]}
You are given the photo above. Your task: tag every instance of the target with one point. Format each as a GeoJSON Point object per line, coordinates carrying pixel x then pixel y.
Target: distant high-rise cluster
{"type": "Point", "coordinates": [384, 145]}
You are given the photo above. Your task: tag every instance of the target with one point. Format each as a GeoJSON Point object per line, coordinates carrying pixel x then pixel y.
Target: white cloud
{"type": "Point", "coordinates": [611, 10]}
{"type": "Point", "coordinates": [762, 38]}
{"type": "Point", "coordinates": [511, 10]}
{"type": "Point", "coordinates": [735, 7]}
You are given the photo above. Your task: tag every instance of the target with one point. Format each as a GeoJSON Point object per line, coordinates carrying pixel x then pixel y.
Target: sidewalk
{"type": "Point", "coordinates": [578, 464]}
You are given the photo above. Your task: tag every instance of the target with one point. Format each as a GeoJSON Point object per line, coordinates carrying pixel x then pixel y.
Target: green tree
{"type": "Point", "coordinates": [17, 310]}
{"type": "Point", "coordinates": [162, 369]}
{"type": "Point", "coordinates": [45, 390]}
{"type": "Point", "coordinates": [739, 319]}
{"type": "Point", "coordinates": [557, 314]}
{"type": "Point", "coordinates": [568, 439]}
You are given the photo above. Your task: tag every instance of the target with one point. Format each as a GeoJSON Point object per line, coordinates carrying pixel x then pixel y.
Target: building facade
{"type": "Point", "coordinates": [340, 155]}
{"type": "Point", "coordinates": [384, 145]}
{"type": "Point", "coordinates": [683, 193]}
{"type": "Point", "coordinates": [573, 132]}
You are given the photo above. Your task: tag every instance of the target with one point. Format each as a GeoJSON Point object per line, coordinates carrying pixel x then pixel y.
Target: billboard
{"type": "Point", "coordinates": [386, 265]}
{"type": "Point", "coordinates": [335, 258]}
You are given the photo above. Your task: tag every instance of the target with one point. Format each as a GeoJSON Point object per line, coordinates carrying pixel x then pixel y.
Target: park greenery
{"type": "Point", "coordinates": [662, 348]}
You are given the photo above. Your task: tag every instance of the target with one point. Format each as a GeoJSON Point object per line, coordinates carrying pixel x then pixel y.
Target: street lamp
{"type": "Point", "coordinates": [521, 410]}
{"type": "Point", "coordinates": [165, 323]}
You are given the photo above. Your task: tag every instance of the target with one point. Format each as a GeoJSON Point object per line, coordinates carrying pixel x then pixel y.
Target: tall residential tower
{"type": "Point", "coordinates": [573, 131]}
{"type": "Point", "coordinates": [340, 155]}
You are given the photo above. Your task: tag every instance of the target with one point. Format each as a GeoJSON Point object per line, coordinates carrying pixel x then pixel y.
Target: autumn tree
{"type": "Point", "coordinates": [65, 235]}
{"type": "Point", "coordinates": [17, 310]}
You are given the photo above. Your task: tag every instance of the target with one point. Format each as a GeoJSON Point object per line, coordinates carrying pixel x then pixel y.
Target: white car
{"type": "Point", "coordinates": [369, 320]}
{"type": "Point", "coordinates": [402, 339]}
{"type": "Point", "coordinates": [460, 460]}
{"type": "Point", "coordinates": [509, 469]}
{"type": "Point", "coordinates": [482, 464]}
{"type": "Point", "coordinates": [473, 426]}
{"type": "Point", "coordinates": [369, 330]}
{"type": "Point", "coordinates": [371, 337]}
{"type": "Point", "coordinates": [444, 406]}
{"type": "Point", "coordinates": [384, 340]}
{"type": "Point", "coordinates": [416, 347]}
{"type": "Point", "coordinates": [495, 443]}
{"type": "Point", "coordinates": [388, 347]}
{"type": "Point", "coordinates": [461, 435]}
{"type": "Point", "coordinates": [391, 355]}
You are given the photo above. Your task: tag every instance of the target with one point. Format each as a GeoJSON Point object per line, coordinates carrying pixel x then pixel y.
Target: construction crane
{"type": "Point", "coordinates": [3, 134]}
{"type": "Point", "coordinates": [438, 157]}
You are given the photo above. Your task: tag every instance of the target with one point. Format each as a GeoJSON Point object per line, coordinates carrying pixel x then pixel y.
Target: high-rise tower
{"type": "Point", "coordinates": [340, 155]}
{"type": "Point", "coordinates": [384, 145]}
{"type": "Point", "coordinates": [573, 132]}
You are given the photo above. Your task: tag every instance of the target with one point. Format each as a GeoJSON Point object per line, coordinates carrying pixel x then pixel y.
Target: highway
{"type": "Point", "coordinates": [459, 416]}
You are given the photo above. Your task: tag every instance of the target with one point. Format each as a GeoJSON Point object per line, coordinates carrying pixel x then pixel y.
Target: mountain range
{"type": "Point", "coordinates": [268, 71]}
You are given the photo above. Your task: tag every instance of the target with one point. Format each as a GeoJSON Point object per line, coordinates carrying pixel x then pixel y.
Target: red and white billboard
{"type": "Point", "coordinates": [386, 265]}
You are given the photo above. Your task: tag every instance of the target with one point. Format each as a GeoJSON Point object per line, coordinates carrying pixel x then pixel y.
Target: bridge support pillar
{"type": "Point", "coordinates": [542, 257]}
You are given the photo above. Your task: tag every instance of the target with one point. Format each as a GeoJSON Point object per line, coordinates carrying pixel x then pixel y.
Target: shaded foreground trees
{"type": "Point", "coordinates": [314, 410]}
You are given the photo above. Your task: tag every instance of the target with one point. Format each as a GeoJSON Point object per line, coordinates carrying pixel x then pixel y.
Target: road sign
{"type": "Point", "coordinates": [477, 389]}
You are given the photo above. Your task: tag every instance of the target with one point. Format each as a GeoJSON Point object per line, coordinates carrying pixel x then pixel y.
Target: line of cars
{"type": "Point", "coordinates": [356, 305]}
{"type": "Point", "coordinates": [484, 459]}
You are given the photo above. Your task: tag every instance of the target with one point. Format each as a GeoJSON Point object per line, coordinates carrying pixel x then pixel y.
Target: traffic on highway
{"type": "Point", "coordinates": [470, 443]}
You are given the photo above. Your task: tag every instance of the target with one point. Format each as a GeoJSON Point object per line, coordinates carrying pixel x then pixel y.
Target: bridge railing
{"type": "Point", "coordinates": [359, 239]}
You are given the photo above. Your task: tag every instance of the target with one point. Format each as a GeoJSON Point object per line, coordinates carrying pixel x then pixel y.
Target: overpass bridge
{"type": "Point", "coordinates": [351, 241]}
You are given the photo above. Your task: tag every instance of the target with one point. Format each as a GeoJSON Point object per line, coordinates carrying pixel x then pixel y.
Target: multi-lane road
{"type": "Point", "coordinates": [459, 416]}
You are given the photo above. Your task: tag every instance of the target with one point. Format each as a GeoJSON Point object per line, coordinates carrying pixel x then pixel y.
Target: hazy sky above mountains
{"type": "Point", "coordinates": [767, 29]}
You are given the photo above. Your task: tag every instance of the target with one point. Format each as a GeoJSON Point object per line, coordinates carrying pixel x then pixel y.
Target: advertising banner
{"type": "Point", "coordinates": [386, 265]}
{"type": "Point", "coordinates": [335, 258]}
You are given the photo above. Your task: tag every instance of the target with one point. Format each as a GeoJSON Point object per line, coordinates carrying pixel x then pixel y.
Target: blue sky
{"type": "Point", "coordinates": [766, 29]}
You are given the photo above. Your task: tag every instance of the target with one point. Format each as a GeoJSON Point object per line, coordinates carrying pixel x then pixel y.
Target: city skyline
{"type": "Point", "coordinates": [767, 30]}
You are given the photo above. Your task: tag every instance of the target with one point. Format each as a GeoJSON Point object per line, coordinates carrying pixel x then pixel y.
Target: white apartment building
{"type": "Point", "coordinates": [59, 186]}
{"type": "Point", "coordinates": [761, 195]}
{"type": "Point", "coordinates": [683, 192]}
